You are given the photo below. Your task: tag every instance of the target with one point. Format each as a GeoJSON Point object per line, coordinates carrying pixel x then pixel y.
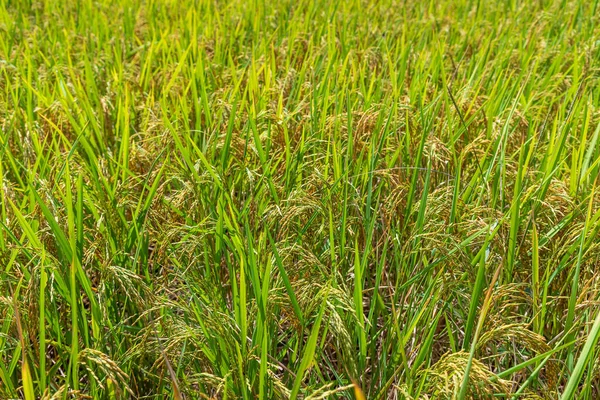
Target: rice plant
{"type": "Point", "coordinates": [307, 199]}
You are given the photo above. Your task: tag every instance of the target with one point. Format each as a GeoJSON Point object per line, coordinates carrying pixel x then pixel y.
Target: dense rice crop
{"type": "Point", "coordinates": [299, 199]}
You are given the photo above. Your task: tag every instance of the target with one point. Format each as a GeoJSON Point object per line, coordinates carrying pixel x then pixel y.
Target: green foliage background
{"type": "Point", "coordinates": [283, 199]}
